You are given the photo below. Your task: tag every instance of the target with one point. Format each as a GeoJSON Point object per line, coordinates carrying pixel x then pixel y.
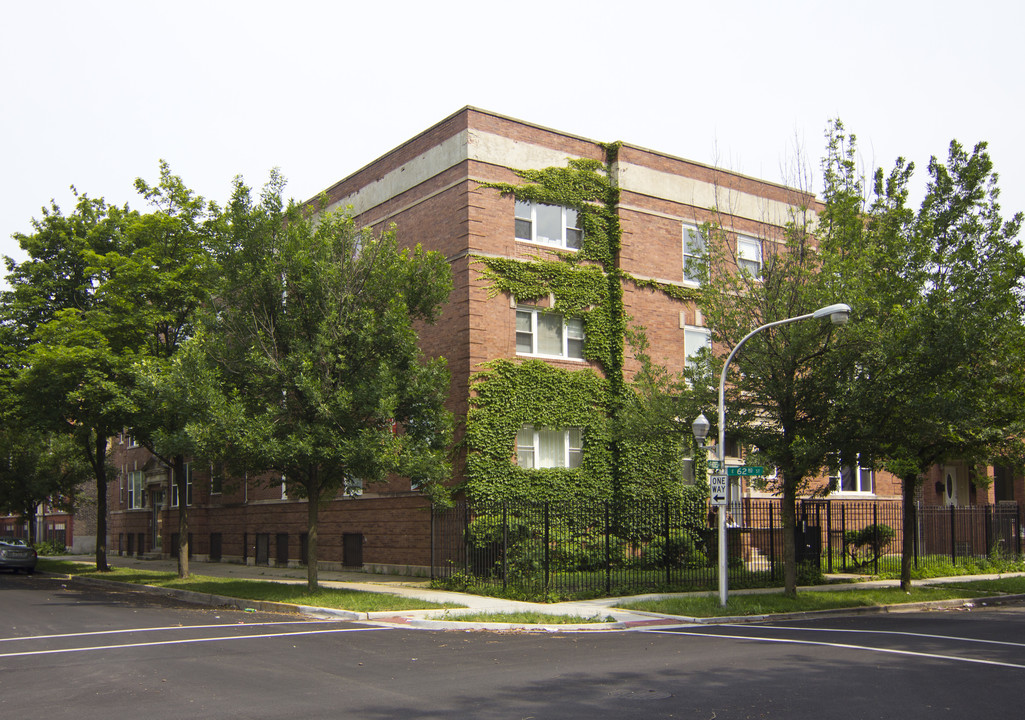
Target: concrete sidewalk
{"type": "Point", "coordinates": [419, 588]}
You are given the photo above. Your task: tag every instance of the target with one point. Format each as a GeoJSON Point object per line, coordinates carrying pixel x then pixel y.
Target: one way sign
{"type": "Point", "coordinates": [717, 485]}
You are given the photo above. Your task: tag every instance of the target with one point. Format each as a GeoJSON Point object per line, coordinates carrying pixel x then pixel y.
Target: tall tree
{"type": "Point", "coordinates": [938, 321]}
{"type": "Point", "coordinates": [780, 385]}
{"type": "Point", "coordinates": [67, 349]}
{"type": "Point", "coordinates": [156, 285]}
{"type": "Point", "coordinates": [314, 330]}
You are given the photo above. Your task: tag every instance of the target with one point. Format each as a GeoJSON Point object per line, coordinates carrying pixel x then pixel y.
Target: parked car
{"type": "Point", "coordinates": [15, 555]}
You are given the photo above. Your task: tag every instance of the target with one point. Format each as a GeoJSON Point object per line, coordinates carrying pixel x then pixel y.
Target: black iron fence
{"type": "Point", "coordinates": [622, 547]}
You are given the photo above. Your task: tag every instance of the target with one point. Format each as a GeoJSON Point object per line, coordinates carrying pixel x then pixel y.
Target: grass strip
{"type": "Point", "coordinates": [1007, 585]}
{"type": "Point", "coordinates": [772, 603]}
{"type": "Point", "coordinates": [290, 593]}
{"type": "Point", "coordinates": [526, 618]}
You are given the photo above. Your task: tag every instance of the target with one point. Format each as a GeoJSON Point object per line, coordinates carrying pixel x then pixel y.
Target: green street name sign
{"type": "Point", "coordinates": [745, 470]}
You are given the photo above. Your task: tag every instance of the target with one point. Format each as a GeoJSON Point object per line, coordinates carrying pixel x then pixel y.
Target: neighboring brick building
{"type": "Point", "coordinates": [430, 189]}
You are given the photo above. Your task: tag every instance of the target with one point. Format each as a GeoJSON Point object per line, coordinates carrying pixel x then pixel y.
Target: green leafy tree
{"type": "Point", "coordinates": [780, 385]}
{"type": "Point", "coordinates": [67, 355]}
{"type": "Point", "coordinates": [155, 288]}
{"type": "Point", "coordinates": [938, 314]}
{"type": "Point", "coordinates": [38, 468]}
{"type": "Point", "coordinates": [316, 342]}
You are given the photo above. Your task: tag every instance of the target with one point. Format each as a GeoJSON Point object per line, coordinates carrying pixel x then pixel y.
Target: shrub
{"type": "Point", "coordinates": [867, 545]}
{"type": "Point", "coordinates": [50, 547]}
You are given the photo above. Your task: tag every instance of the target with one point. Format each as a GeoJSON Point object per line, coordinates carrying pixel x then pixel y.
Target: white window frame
{"type": "Point", "coordinates": [749, 255]}
{"type": "Point", "coordinates": [859, 474]}
{"type": "Point", "coordinates": [135, 486]}
{"type": "Point", "coordinates": [691, 343]}
{"type": "Point", "coordinates": [572, 334]}
{"type": "Point", "coordinates": [693, 254]}
{"type": "Point", "coordinates": [529, 457]}
{"type": "Point", "coordinates": [188, 487]}
{"type": "Point", "coordinates": [526, 219]}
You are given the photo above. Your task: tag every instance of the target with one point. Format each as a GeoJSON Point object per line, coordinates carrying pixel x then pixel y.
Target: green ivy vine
{"type": "Point", "coordinates": [507, 395]}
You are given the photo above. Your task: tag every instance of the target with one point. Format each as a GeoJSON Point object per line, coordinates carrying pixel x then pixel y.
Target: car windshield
{"type": "Point", "coordinates": [13, 541]}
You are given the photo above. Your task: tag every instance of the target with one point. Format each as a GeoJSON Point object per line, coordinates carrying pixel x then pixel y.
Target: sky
{"type": "Point", "coordinates": [95, 93]}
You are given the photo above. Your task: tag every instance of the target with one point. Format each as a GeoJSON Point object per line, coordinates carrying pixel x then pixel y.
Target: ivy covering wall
{"type": "Point", "coordinates": [588, 284]}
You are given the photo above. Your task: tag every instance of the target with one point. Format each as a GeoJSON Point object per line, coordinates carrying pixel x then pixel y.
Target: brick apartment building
{"type": "Point", "coordinates": [436, 190]}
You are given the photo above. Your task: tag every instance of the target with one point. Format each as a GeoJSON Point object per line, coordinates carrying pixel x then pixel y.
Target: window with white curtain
{"type": "Point", "coordinates": [539, 332]}
{"type": "Point", "coordinates": [694, 339]}
{"type": "Point", "coordinates": [853, 478]}
{"type": "Point", "coordinates": [548, 448]}
{"type": "Point", "coordinates": [548, 225]}
{"type": "Point", "coordinates": [693, 254]}
{"type": "Point", "coordinates": [135, 492]}
{"type": "Point", "coordinates": [749, 255]}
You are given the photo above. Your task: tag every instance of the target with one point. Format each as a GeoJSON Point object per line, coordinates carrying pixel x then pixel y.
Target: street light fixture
{"type": "Point", "coordinates": [838, 314]}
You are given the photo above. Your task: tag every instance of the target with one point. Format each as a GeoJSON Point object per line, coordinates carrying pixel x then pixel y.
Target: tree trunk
{"type": "Point", "coordinates": [30, 525]}
{"type": "Point", "coordinates": [907, 549]}
{"type": "Point", "coordinates": [788, 517]}
{"type": "Point", "coordinates": [181, 481]}
{"type": "Point", "coordinates": [98, 459]}
{"type": "Point", "coordinates": [312, 510]}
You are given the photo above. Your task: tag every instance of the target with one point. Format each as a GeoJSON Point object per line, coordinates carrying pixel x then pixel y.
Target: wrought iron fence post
{"type": "Point", "coordinates": [665, 546]}
{"type": "Point", "coordinates": [608, 549]}
{"type": "Point", "coordinates": [843, 534]}
{"type": "Point", "coordinates": [772, 545]}
{"type": "Point", "coordinates": [829, 534]}
{"type": "Point", "coordinates": [1018, 531]}
{"type": "Point", "coordinates": [548, 530]}
{"type": "Point", "coordinates": [953, 537]}
{"type": "Point", "coordinates": [505, 545]}
{"type": "Point", "coordinates": [918, 530]}
{"type": "Point", "coordinates": [875, 536]}
{"type": "Point", "coordinates": [989, 529]}
{"type": "Point", "coordinates": [466, 538]}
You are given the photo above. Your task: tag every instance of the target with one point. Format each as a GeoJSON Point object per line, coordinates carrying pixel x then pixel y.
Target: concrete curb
{"type": "Point", "coordinates": [624, 619]}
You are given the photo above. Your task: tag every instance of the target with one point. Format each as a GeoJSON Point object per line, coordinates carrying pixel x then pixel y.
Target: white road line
{"type": "Point", "coordinates": [885, 632]}
{"type": "Point", "coordinates": [187, 642]}
{"type": "Point", "coordinates": [844, 646]}
{"type": "Point", "coordinates": [161, 629]}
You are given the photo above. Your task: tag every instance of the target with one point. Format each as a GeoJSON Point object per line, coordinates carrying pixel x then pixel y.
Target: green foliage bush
{"type": "Point", "coordinates": [868, 544]}
{"type": "Point", "coordinates": [50, 547]}
{"type": "Point", "coordinates": [682, 551]}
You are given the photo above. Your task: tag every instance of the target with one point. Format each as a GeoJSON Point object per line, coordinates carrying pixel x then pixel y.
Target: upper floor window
{"type": "Point", "coordinates": [539, 332]}
{"type": "Point", "coordinates": [693, 254]}
{"type": "Point", "coordinates": [694, 339]}
{"type": "Point", "coordinates": [548, 225]}
{"type": "Point", "coordinates": [135, 491]}
{"type": "Point", "coordinates": [546, 448]}
{"type": "Point", "coordinates": [188, 487]}
{"type": "Point", "coordinates": [749, 256]}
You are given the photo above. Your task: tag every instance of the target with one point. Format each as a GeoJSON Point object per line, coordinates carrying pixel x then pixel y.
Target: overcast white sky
{"type": "Point", "coordinates": [94, 93]}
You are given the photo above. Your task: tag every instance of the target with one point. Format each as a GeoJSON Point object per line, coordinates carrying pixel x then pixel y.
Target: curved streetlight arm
{"type": "Point", "coordinates": [726, 366]}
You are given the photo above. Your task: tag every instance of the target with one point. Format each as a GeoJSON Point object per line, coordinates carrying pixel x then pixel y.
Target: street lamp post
{"type": "Point", "coordinates": [838, 315]}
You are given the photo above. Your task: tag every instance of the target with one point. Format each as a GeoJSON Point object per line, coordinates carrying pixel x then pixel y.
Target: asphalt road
{"type": "Point", "coordinates": [72, 653]}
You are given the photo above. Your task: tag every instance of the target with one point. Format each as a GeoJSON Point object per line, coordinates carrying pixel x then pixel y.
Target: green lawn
{"type": "Point", "coordinates": [526, 618]}
{"type": "Point", "coordinates": [770, 603]}
{"type": "Point", "coordinates": [291, 593]}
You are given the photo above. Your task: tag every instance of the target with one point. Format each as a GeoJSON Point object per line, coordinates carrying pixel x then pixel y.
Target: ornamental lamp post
{"type": "Point", "coordinates": [838, 314]}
